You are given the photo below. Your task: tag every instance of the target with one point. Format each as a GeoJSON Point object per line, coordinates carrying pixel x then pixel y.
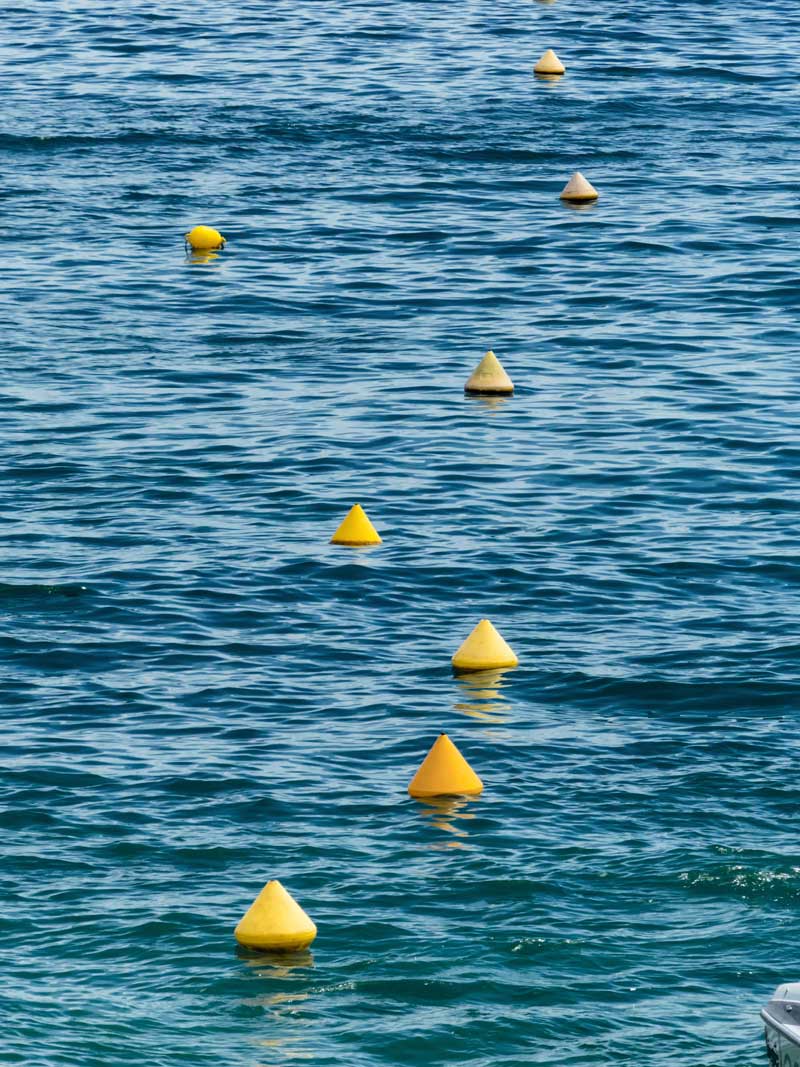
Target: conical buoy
{"type": "Point", "coordinates": [275, 922]}
{"type": "Point", "coordinates": [204, 239]}
{"type": "Point", "coordinates": [356, 529]}
{"type": "Point", "coordinates": [578, 190]}
{"type": "Point", "coordinates": [484, 650]}
{"type": "Point", "coordinates": [444, 771]}
{"type": "Point", "coordinates": [489, 378]}
{"type": "Point", "coordinates": [549, 64]}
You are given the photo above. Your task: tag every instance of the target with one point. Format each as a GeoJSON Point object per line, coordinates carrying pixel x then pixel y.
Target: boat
{"type": "Point", "coordinates": [782, 1026]}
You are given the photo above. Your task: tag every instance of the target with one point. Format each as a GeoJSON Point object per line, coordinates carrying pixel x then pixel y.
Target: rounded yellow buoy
{"type": "Point", "coordinates": [444, 771]}
{"type": "Point", "coordinates": [549, 63]}
{"type": "Point", "coordinates": [356, 529]}
{"type": "Point", "coordinates": [489, 378]}
{"type": "Point", "coordinates": [275, 922]}
{"type": "Point", "coordinates": [204, 239]}
{"type": "Point", "coordinates": [578, 190]}
{"type": "Point", "coordinates": [484, 650]}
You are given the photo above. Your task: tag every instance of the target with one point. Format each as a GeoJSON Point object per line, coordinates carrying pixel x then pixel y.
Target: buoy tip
{"type": "Point", "coordinates": [204, 238]}
{"type": "Point", "coordinates": [579, 189]}
{"type": "Point", "coordinates": [484, 649]}
{"type": "Point", "coordinates": [444, 772]}
{"type": "Point", "coordinates": [275, 922]}
{"type": "Point", "coordinates": [549, 63]}
{"type": "Point", "coordinates": [356, 530]}
{"type": "Point", "coordinates": [489, 378]}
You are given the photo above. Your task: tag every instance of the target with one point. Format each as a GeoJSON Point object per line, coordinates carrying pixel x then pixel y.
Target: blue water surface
{"type": "Point", "coordinates": [200, 693]}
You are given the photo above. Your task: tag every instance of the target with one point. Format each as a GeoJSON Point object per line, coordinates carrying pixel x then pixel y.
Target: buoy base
{"type": "Point", "coordinates": [295, 945]}
{"type": "Point", "coordinates": [462, 668]}
{"type": "Point", "coordinates": [488, 392]}
{"type": "Point", "coordinates": [417, 795]}
{"type": "Point", "coordinates": [579, 199]}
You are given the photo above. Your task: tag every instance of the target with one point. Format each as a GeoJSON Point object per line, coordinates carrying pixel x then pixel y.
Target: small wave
{"type": "Point", "coordinates": [780, 886]}
{"type": "Point", "coordinates": [12, 592]}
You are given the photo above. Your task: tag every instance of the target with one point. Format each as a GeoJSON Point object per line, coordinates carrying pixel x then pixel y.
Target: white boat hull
{"type": "Point", "coordinates": [782, 1026]}
{"type": "Point", "coordinates": [782, 1051]}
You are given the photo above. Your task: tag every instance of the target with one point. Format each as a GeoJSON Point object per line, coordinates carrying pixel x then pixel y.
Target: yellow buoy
{"type": "Point", "coordinates": [549, 63]}
{"type": "Point", "coordinates": [489, 378]}
{"type": "Point", "coordinates": [275, 922]}
{"type": "Point", "coordinates": [484, 650]}
{"type": "Point", "coordinates": [356, 529]}
{"type": "Point", "coordinates": [204, 239]}
{"type": "Point", "coordinates": [578, 190]}
{"type": "Point", "coordinates": [444, 771]}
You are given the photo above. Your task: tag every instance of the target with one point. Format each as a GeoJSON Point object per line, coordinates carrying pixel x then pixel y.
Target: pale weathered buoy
{"type": "Point", "coordinates": [489, 378]}
{"type": "Point", "coordinates": [484, 650]}
{"type": "Point", "coordinates": [549, 63]}
{"type": "Point", "coordinates": [578, 190]}
{"type": "Point", "coordinates": [204, 239]}
{"type": "Point", "coordinates": [356, 529]}
{"type": "Point", "coordinates": [443, 772]}
{"type": "Point", "coordinates": [275, 922]}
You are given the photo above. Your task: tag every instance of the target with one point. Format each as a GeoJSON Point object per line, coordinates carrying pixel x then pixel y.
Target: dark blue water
{"type": "Point", "coordinates": [199, 693]}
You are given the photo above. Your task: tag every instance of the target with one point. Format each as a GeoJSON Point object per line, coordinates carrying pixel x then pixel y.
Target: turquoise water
{"type": "Point", "coordinates": [199, 693]}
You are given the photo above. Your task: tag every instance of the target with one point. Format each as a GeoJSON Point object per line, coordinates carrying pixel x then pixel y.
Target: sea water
{"type": "Point", "coordinates": [200, 693]}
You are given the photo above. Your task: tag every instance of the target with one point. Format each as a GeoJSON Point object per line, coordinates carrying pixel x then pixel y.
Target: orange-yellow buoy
{"type": "Point", "coordinates": [489, 378]}
{"type": "Point", "coordinates": [484, 650]}
{"type": "Point", "coordinates": [275, 922]}
{"type": "Point", "coordinates": [356, 529]}
{"type": "Point", "coordinates": [204, 239]}
{"type": "Point", "coordinates": [578, 190]}
{"type": "Point", "coordinates": [444, 771]}
{"type": "Point", "coordinates": [549, 63]}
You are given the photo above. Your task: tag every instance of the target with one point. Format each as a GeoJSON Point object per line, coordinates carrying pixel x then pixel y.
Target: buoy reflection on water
{"type": "Point", "coordinates": [485, 700]}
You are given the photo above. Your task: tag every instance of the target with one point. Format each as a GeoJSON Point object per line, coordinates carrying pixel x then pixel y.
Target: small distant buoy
{"type": "Point", "coordinates": [489, 378]}
{"type": "Point", "coordinates": [204, 239]}
{"type": "Point", "coordinates": [445, 772]}
{"type": "Point", "coordinates": [578, 190]}
{"type": "Point", "coordinates": [549, 64]}
{"type": "Point", "coordinates": [356, 529]}
{"type": "Point", "coordinates": [275, 922]}
{"type": "Point", "coordinates": [484, 650]}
